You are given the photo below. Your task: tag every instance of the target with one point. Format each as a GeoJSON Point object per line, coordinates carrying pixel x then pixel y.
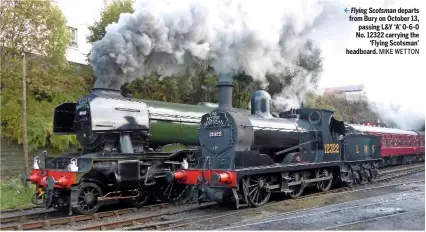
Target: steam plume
{"type": "Point", "coordinates": [232, 35]}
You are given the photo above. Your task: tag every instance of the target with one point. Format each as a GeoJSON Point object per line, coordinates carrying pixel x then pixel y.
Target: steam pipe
{"type": "Point", "coordinates": [225, 94]}
{"type": "Point", "coordinates": [126, 145]}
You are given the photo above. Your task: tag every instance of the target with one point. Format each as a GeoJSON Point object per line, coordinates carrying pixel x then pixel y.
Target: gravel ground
{"type": "Point", "coordinates": [407, 201]}
{"type": "Point", "coordinates": [374, 210]}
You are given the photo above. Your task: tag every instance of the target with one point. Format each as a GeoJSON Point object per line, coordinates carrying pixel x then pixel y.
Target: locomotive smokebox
{"type": "Point", "coordinates": [225, 91]}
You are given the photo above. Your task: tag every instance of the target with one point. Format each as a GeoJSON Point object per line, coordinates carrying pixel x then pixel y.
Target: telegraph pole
{"type": "Point", "coordinates": [24, 111]}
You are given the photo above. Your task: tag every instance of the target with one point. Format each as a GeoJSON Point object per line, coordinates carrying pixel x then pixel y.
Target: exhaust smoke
{"type": "Point", "coordinates": [233, 36]}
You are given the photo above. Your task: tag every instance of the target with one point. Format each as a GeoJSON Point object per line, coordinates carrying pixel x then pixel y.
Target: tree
{"type": "Point", "coordinates": [111, 14]}
{"type": "Point", "coordinates": [39, 29]}
{"type": "Point", "coordinates": [322, 102]}
{"type": "Point", "coordinates": [356, 112]}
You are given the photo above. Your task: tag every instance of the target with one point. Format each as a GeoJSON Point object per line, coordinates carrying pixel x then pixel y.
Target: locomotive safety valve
{"type": "Point", "coordinates": [221, 178]}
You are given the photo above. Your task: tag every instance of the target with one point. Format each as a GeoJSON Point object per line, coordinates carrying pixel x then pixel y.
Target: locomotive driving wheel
{"type": "Point", "coordinates": [324, 185]}
{"type": "Point", "coordinates": [258, 191]}
{"type": "Point", "coordinates": [88, 194]}
{"type": "Point", "coordinates": [296, 190]}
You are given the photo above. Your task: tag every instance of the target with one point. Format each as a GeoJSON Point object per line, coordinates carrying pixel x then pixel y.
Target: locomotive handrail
{"type": "Point", "coordinates": [276, 128]}
{"type": "Point", "coordinates": [174, 115]}
{"type": "Point", "coordinates": [294, 147]}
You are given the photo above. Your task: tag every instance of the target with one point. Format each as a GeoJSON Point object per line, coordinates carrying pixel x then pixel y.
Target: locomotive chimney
{"type": "Point", "coordinates": [225, 91]}
{"type": "Point", "coordinates": [108, 92]}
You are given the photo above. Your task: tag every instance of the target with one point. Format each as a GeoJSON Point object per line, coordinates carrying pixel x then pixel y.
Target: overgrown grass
{"type": "Point", "coordinates": [13, 194]}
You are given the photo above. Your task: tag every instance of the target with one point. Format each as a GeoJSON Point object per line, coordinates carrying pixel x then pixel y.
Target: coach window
{"type": "Point", "coordinates": [391, 143]}
{"type": "Point", "coordinates": [384, 142]}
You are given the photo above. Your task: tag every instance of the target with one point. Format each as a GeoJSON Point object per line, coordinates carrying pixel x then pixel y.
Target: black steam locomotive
{"type": "Point", "coordinates": [127, 146]}
{"type": "Point", "coordinates": [247, 157]}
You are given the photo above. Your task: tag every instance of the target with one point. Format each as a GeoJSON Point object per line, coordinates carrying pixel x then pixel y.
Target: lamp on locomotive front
{"type": "Point", "coordinates": [35, 164]}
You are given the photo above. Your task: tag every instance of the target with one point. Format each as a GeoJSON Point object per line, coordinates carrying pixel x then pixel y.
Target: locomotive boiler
{"type": "Point", "coordinates": [105, 120]}
{"type": "Point", "coordinates": [244, 158]}
{"type": "Point", "coordinates": [127, 147]}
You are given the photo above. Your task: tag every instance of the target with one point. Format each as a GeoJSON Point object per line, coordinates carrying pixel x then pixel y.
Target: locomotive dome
{"type": "Point", "coordinates": [261, 102]}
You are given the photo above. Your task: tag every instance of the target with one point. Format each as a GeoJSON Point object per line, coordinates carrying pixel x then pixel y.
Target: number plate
{"type": "Point", "coordinates": [215, 134]}
{"type": "Point", "coordinates": [332, 148]}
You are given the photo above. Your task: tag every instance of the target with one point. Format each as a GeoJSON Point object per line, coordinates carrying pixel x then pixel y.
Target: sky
{"type": "Point", "coordinates": [389, 79]}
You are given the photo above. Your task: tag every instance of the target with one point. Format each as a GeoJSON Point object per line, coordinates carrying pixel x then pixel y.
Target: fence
{"type": "Point", "coordinates": [12, 157]}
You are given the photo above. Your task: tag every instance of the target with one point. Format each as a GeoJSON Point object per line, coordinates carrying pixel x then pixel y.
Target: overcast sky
{"type": "Point", "coordinates": [396, 79]}
{"type": "Point", "coordinates": [390, 79]}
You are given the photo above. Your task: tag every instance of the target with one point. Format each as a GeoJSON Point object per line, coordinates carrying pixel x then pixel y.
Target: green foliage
{"type": "Point", "coordinates": [191, 88]}
{"type": "Point", "coordinates": [111, 14]}
{"type": "Point", "coordinates": [350, 111]}
{"type": "Point", "coordinates": [322, 102]}
{"type": "Point", "coordinates": [13, 194]}
{"type": "Point", "coordinates": [50, 79]}
{"type": "Point", "coordinates": [37, 27]}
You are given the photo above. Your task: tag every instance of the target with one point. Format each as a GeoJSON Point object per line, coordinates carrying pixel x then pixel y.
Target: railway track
{"type": "Point", "coordinates": [400, 172]}
{"type": "Point", "coordinates": [172, 224]}
{"type": "Point", "coordinates": [70, 219]}
{"type": "Point", "coordinates": [139, 222]}
{"type": "Point", "coordinates": [29, 216]}
{"type": "Point", "coordinates": [142, 220]}
{"type": "Point", "coordinates": [399, 168]}
{"type": "Point", "coordinates": [17, 210]}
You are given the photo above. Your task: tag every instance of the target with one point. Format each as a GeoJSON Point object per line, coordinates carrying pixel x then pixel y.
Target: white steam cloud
{"type": "Point", "coordinates": [254, 37]}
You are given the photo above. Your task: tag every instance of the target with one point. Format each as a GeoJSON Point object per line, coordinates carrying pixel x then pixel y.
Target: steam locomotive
{"type": "Point", "coordinates": [127, 147]}
{"type": "Point", "coordinates": [245, 158]}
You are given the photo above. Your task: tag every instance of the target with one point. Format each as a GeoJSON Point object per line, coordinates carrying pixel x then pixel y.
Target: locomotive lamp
{"type": "Point", "coordinates": [73, 165]}
{"type": "Point", "coordinates": [185, 163]}
{"type": "Point", "coordinates": [35, 164]}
